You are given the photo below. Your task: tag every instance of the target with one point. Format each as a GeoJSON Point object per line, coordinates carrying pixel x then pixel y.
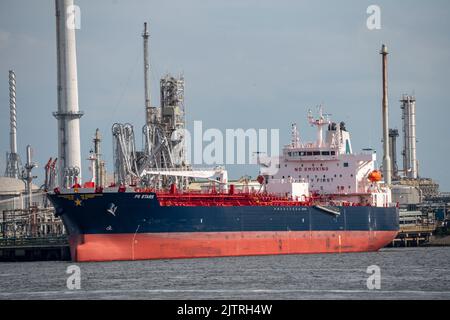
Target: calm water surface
{"type": "Point", "coordinates": [406, 273]}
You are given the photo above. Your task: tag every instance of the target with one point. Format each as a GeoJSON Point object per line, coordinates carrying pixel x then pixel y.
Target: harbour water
{"type": "Point", "coordinates": [405, 273]}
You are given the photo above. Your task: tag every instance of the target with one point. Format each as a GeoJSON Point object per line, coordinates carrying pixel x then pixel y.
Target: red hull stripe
{"type": "Point", "coordinates": [144, 246]}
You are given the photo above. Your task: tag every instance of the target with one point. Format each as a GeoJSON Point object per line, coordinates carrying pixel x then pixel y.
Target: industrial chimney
{"type": "Point", "coordinates": [387, 171]}
{"type": "Point", "coordinates": [151, 113]}
{"type": "Point", "coordinates": [145, 36]}
{"type": "Point", "coordinates": [393, 135]}
{"type": "Point", "coordinates": [68, 114]}
{"type": "Point", "coordinates": [13, 159]}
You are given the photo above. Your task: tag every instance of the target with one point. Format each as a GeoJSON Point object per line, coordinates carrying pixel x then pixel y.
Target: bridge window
{"type": "Point", "coordinates": [325, 153]}
{"type": "Point", "coordinates": [345, 164]}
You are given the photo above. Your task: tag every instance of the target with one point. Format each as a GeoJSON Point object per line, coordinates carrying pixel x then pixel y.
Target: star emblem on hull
{"type": "Point", "coordinates": [77, 202]}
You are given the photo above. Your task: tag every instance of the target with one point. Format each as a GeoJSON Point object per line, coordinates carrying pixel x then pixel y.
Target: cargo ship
{"type": "Point", "coordinates": [316, 197]}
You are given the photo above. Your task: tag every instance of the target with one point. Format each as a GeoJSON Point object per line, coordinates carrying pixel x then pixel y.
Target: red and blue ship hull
{"type": "Point", "coordinates": [135, 226]}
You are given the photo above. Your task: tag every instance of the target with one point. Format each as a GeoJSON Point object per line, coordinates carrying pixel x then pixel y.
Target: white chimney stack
{"type": "Point", "coordinates": [68, 114]}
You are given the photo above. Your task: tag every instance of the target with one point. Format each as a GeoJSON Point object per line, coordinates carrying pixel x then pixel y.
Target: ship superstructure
{"type": "Point", "coordinates": [327, 167]}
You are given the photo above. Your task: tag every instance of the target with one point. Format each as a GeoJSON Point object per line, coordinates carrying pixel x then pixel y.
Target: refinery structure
{"type": "Point", "coordinates": [160, 162]}
{"type": "Point", "coordinates": [163, 135]}
{"type": "Point", "coordinates": [407, 174]}
{"type": "Point", "coordinates": [25, 212]}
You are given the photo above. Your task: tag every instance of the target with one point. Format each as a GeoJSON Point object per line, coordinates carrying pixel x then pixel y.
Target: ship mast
{"type": "Point", "coordinates": [319, 123]}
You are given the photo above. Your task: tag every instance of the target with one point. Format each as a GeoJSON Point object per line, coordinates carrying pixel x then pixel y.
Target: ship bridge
{"type": "Point", "coordinates": [328, 165]}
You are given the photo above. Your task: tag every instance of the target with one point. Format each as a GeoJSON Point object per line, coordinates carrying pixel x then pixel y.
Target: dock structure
{"type": "Point", "coordinates": [32, 235]}
{"type": "Point", "coordinates": [420, 223]}
{"type": "Point", "coordinates": [35, 249]}
{"type": "Point", "coordinates": [413, 236]}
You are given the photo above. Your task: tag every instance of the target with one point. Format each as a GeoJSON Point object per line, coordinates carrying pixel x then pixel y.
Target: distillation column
{"type": "Point", "coordinates": [410, 166]}
{"type": "Point", "coordinates": [393, 135]}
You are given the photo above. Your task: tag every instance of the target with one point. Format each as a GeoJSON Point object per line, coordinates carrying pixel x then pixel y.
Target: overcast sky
{"type": "Point", "coordinates": [247, 64]}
